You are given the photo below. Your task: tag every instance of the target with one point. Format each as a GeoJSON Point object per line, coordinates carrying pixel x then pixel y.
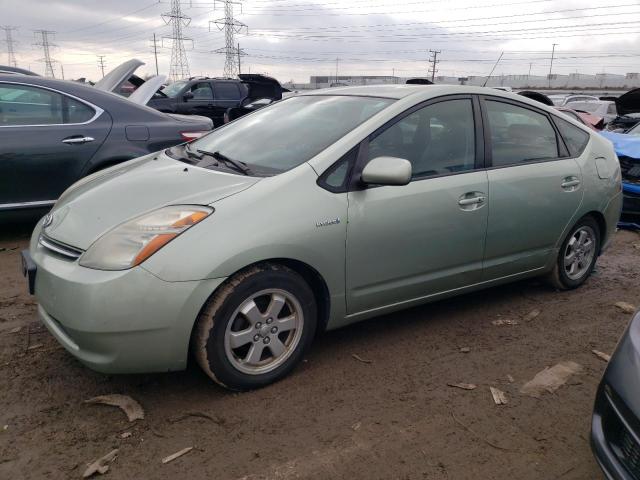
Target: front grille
{"type": "Point", "coordinates": [630, 451]}
{"type": "Point", "coordinates": [59, 248]}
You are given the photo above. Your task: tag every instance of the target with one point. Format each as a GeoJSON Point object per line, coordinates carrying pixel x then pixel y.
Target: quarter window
{"type": "Point", "coordinates": [227, 91]}
{"type": "Point", "coordinates": [519, 135]}
{"type": "Point", "coordinates": [575, 138]}
{"type": "Point", "coordinates": [438, 139]}
{"type": "Point", "coordinates": [26, 105]}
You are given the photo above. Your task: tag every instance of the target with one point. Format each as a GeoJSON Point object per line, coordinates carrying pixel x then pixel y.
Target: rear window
{"type": "Point", "coordinates": [226, 91]}
{"type": "Point", "coordinates": [575, 138]}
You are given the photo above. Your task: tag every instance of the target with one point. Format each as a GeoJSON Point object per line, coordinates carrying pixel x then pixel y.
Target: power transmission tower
{"type": "Point", "coordinates": [179, 67]}
{"type": "Point", "coordinates": [11, 53]}
{"type": "Point", "coordinates": [43, 40]}
{"type": "Point", "coordinates": [155, 51]}
{"type": "Point", "coordinates": [231, 27]}
{"type": "Point", "coordinates": [433, 61]}
{"type": "Point", "coordinates": [101, 63]}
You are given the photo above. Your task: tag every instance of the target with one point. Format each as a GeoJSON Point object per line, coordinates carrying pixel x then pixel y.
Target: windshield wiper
{"type": "Point", "coordinates": [236, 165]}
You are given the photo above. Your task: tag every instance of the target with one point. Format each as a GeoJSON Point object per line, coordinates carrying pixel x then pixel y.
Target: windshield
{"type": "Point", "coordinates": [284, 135]}
{"type": "Point", "coordinates": [635, 130]}
{"type": "Point", "coordinates": [173, 89]}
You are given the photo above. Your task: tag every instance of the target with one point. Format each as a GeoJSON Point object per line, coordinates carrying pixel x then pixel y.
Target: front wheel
{"type": "Point", "coordinates": [255, 329]}
{"type": "Point", "coordinates": [577, 256]}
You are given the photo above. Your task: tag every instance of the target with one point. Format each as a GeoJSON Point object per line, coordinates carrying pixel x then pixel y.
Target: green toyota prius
{"type": "Point", "coordinates": [320, 210]}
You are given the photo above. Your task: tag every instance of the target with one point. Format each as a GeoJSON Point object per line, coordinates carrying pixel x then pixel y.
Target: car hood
{"type": "Point", "coordinates": [108, 198]}
{"type": "Point", "coordinates": [113, 80]}
{"type": "Point", "coordinates": [145, 91]}
{"type": "Point", "coordinates": [628, 102]}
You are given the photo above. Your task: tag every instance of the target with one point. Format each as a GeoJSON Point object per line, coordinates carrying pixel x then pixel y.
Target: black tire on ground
{"type": "Point", "coordinates": [208, 338]}
{"type": "Point", "coordinates": [559, 278]}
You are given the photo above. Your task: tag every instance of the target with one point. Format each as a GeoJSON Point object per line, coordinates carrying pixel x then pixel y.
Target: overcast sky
{"type": "Point", "coordinates": [293, 39]}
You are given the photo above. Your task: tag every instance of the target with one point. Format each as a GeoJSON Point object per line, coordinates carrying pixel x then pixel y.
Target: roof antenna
{"type": "Point", "coordinates": [494, 67]}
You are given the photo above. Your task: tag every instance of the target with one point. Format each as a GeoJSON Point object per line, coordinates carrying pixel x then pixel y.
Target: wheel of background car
{"type": "Point", "coordinates": [577, 256]}
{"type": "Point", "coordinates": [255, 329]}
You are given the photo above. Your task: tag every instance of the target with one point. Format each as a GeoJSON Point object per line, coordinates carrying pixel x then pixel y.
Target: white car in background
{"type": "Point", "coordinates": [602, 108]}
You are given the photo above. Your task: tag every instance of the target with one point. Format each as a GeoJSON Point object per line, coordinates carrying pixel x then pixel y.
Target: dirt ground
{"type": "Point", "coordinates": [336, 416]}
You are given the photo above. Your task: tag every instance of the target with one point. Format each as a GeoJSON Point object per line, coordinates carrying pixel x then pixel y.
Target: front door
{"type": "Point", "coordinates": [199, 100]}
{"type": "Point", "coordinates": [46, 139]}
{"type": "Point", "coordinates": [409, 242]}
{"type": "Point", "coordinates": [534, 189]}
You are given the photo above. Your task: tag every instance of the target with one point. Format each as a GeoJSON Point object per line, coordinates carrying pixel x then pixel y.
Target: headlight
{"type": "Point", "coordinates": [131, 243]}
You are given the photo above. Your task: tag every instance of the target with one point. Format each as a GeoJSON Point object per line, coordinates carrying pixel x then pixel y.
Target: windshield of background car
{"type": "Point", "coordinates": [290, 132]}
{"type": "Point", "coordinates": [635, 130]}
{"type": "Point", "coordinates": [173, 89]}
{"type": "Point", "coordinates": [590, 107]}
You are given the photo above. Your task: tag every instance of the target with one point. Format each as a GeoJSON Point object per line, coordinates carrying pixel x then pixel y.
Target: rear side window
{"type": "Point", "coordinates": [519, 135]}
{"type": "Point", "coordinates": [575, 138]}
{"type": "Point", "coordinates": [227, 91]}
{"type": "Point", "coordinates": [78, 112]}
{"type": "Point", "coordinates": [23, 105]}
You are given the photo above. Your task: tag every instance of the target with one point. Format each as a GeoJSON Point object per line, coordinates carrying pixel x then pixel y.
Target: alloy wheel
{"type": "Point", "coordinates": [579, 252]}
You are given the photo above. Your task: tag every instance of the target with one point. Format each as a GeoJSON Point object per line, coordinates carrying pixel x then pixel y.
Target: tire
{"type": "Point", "coordinates": [255, 329]}
{"type": "Point", "coordinates": [565, 276]}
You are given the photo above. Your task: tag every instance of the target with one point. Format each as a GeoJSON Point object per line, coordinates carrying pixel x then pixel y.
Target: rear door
{"type": "Point", "coordinates": [46, 138]}
{"type": "Point", "coordinates": [535, 187]}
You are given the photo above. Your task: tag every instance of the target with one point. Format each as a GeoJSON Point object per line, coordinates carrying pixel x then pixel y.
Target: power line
{"type": "Point", "coordinates": [179, 66]}
{"type": "Point", "coordinates": [43, 40]}
{"type": "Point", "coordinates": [11, 54]}
{"type": "Point", "coordinates": [231, 27]}
{"type": "Point", "coordinates": [101, 63]}
{"type": "Point", "coordinates": [433, 61]}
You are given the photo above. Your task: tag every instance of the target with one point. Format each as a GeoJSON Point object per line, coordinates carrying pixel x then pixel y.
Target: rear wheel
{"type": "Point", "coordinates": [255, 329]}
{"type": "Point", "coordinates": [577, 256]}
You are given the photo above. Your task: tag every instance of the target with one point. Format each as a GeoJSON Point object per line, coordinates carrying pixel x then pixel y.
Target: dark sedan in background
{"type": "Point", "coordinates": [53, 132]}
{"type": "Point", "coordinates": [615, 429]}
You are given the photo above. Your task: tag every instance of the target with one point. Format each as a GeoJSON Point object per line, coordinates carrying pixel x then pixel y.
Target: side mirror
{"type": "Point", "coordinates": [387, 171]}
{"type": "Point", "coordinates": [187, 96]}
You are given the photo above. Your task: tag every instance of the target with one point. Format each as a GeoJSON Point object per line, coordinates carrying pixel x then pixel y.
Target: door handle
{"type": "Point", "coordinates": [471, 201]}
{"type": "Point", "coordinates": [570, 183]}
{"type": "Point", "coordinates": [77, 140]}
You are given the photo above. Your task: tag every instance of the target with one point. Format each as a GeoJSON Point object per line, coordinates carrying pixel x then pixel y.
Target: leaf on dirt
{"type": "Point", "coordinates": [550, 379]}
{"type": "Point", "coordinates": [126, 403]}
{"type": "Point", "coordinates": [356, 426]}
{"type": "Point", "coordinates": [101, 465]}
{"type": "Point", "coordinates": [173, 456]}
{"type": "Point", "coordinates": [510, 378]}
{"type": "Point", "coordinates": [465, 350]}
{"type": "Point", "coordinates": [125, 435]}
{"type": "Point", "coordinates": [636, 245]}
{"type": "Point", "coordinates": [625, 307]}
{"type": "Point", "coordinates": [15, 330]}
{"type": "Point", "coordinates": [504, 321]}
{"type": "Point", "coordinates": [463, 386]}
{"type": "Point", "coordinates": [35, 347]}
{"type": "Point", "coordinates": [601, 355]}
{"type": "Point", "coordinates": [360, 359]}
{"type": "Point", "coordinates": [531, 315]}
{"type": "Point", "coordinates": [499, 397]}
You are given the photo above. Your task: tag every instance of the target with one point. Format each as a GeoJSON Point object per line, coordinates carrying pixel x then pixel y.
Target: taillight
{"type": "Point", "coordinates": [191, 136]}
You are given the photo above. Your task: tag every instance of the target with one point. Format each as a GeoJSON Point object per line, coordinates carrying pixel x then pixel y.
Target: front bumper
{"type": "Point", "coordinates": [615, 428]}
{"type": "Point", "coordinates": [631, 199]}
{"type": "Point", "coordinates": [126, 321]}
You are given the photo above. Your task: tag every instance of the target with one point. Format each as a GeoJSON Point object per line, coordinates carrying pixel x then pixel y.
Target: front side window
{"type": "Point", "coordinates": [438, 139]}
{"type": "Point", "coordinates": [519, 135]}
{"type": "Point", "coordinates": [292, 131]}
{"type": "Point", "coordinates": [201, 91]}
{"type": "Point", "coordinates": [227, 91]}
{"type": "Point", "coordinates": [174, 89]}
{"type": "Point", "coordinates": [24, 105]}
{"type": "Point", "coordinates": [575, 138]}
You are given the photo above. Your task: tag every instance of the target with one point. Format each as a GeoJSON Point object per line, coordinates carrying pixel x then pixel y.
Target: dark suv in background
{"type": "Point", "coordinates": [212, 97]}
